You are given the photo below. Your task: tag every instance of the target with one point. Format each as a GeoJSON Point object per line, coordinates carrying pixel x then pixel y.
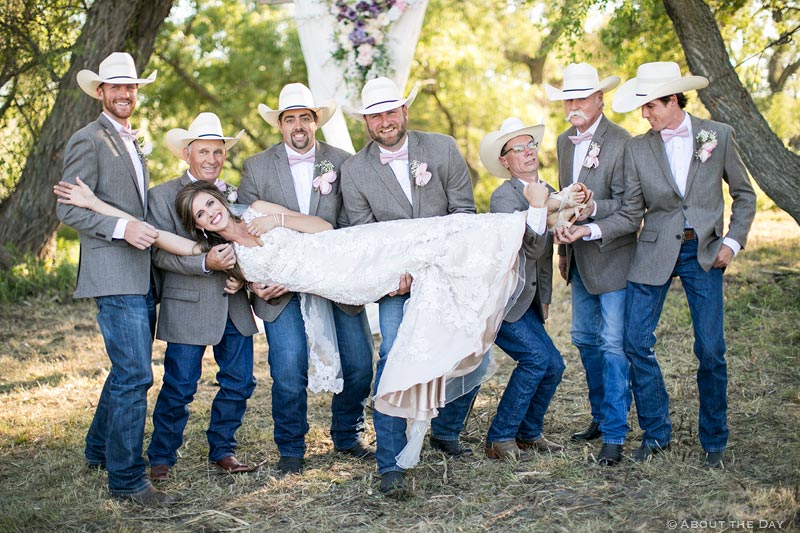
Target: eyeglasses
{"type": "Point", "coordinates": [532, 145]}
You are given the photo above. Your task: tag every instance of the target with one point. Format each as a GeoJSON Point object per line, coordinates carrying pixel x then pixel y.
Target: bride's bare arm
{"type": "Point", "coordinates": [81, 195]}
{"type": "Point", "coordinates": [278, 216]}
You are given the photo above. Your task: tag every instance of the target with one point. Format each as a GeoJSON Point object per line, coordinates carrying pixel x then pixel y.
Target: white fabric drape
{"type": "Point", "coordinates": [315, 26]}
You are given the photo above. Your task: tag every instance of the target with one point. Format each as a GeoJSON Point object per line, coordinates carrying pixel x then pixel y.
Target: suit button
{"type": "Point", "coordinates": [679, 237]}
{"type": "Point", "coordinates": [685, 207]}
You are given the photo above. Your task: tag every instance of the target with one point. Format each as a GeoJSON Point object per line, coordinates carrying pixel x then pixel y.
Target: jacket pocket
{"type": "Point", "coordinates": [174, 293]}
{"type": "Point", "coordinates": [648, 236]}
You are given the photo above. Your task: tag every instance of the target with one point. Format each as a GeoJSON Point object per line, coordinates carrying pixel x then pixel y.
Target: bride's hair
{"type": "Point", "coordinates": [206, 239]}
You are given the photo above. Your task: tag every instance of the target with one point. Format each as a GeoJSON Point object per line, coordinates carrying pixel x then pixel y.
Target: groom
{"type": "Point", "coordinates": [386, 181]}
{"type": "Point", "coordinates": [115, 271]}
{"type": "Point", "coordinates": [301, 174]}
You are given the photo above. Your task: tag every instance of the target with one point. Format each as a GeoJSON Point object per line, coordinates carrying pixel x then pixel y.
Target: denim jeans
{"type": "Point", "coordinates": [644, 304]}
{"type": "Point", "coordinates": [115, 437]}
{"type": "Point", "coordinates": [598, 321]}
{"type": "Point", "coordinates": [391, 430]}
{"type": "Point", "coordinates": [182, 369]}
{"type": "Point", "coordinates": [520, 413]}
{"type": "Point", "coordinates": [288, 367]}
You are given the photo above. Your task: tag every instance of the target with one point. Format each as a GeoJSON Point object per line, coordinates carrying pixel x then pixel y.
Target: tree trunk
{"type": "Point", "coordinates": [774, 167]}
{"type": "Point", "coordinates": [27, 217]}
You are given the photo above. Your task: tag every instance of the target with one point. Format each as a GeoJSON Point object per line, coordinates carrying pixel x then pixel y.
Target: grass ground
{"type": "Point", "coordinates": [54, 366]}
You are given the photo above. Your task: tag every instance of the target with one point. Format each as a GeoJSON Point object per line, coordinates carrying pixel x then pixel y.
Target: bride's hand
{"type": "Point", "coordinates": [260, 225]}
{"type": "Point", "coordinates": [79, 195]}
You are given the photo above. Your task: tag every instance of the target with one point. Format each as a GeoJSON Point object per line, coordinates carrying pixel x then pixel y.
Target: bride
{"type": "Point", "coordinates": [465, 270]}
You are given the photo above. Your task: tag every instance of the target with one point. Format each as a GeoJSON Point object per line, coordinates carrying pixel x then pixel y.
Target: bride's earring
{"type": "Point", "coordinates": [204, 232]}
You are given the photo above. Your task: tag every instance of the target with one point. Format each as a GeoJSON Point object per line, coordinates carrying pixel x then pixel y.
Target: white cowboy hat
{"type": "Point", "coordinates": [296, 96]}
{"type": "Point", "coordinates": [492, 144]}
{"type": "Point", "coordinates": [379, 95]}
{"type": "Point", "coordinates": [206, 126]}
{"type": "Point", "coordinates": [580, 81]}
{"type": "Point", "coordinates": [118, 68]}
{"type": "Point", "coordinates": [654, 80]}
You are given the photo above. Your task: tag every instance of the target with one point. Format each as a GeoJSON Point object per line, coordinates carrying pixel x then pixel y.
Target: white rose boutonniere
{"type": "Point", "coordinates": [231, 195]}
{"type": "Point", "coordinates": [592, 159]}
{"type": "Point", "coordinates": [323, 182]}
{"type": "Point", "coordinates": [707, 141]}
{"type": "Point", "coordinates": [420, 173]}
{"type": "Point", "coordinates": [143, 148]}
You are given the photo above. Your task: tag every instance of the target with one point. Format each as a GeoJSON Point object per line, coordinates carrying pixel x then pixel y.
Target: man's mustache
{"type": "Point", "coordinates": [577, 113]}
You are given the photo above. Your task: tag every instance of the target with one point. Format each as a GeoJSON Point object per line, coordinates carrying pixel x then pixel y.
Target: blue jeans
{"type": "Point", "coordinates": [116, 435]}
{"type": "Point", "coordinates": [288, 367]}
{"type": "Point", "coordinates": [182, 369]}
{"type": "Point", "coordinates": [391, 430]}
{"type": "Point", "coordinates": [520, 413]}
{"type": "Point", "coordinates": [598, 322]}
{"type": "Point", "coordinates": [643, 307]}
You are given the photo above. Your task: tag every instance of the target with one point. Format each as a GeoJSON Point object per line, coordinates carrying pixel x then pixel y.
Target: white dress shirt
{"type": "Point", "coordinates": [401, 170]}
{"type": "Point", "coordinates": [581, 149]}
{"type": "Point", "coordinates": [303, 177]}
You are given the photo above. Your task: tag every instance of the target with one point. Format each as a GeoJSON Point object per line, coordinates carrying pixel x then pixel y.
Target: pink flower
{"type": "Point", "coordinates": [421, 174]}
{"type": "Point", "coordinates": [323, 183]}
{"type": "Point", "coordinates": [592, 159]}
{"type": "Point", "coordinates": [705, 151]}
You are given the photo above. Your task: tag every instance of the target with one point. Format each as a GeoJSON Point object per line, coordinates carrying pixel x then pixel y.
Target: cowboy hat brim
{"type": "Point", "coordinates": [626, 99]}
{"type": "Point", "coordinates": [272, 116]}
{"type": "Point", "coordinates": [493, 143]}
{"type": "Point", "coordinates": [177, 139]}
{"type": "Point", "coordinates": [383, 106]}
{"type": "Point", "coordinates": [90, 81]}
{"type": "Point", "coordinates": [606, 85]}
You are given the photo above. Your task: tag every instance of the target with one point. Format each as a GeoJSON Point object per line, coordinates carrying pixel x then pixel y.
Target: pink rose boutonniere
{"type": "Point", "coordinates": [323, 182]}
{"type": "Point", "coordinates": [229, 191]}
{"type": "Point", "coordinates": [707, 141]}
{"type": "Point", "coordinates": [420, 172]}
{"type": "Point", "coordinates": [592, 159]}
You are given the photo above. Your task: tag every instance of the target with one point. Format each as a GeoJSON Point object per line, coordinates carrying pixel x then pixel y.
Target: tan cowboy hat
{"type": "Point", "coordinates": [118, 68]}
{"type": "Point", "coordinates": [379, 95]}
{"type": "Point", "coordinates": [492, 144]}
{"type": "Point", "coordinates": [654, 80]}
{"type": "Point", "coordinates": [206, 126]}
{"type": "Point", "coordinates": [296, 96]}
{"type": "Point", "coordinates": [580, 81]}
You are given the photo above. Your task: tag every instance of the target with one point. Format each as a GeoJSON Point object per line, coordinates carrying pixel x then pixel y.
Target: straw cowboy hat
{"type": "Point", "coordinates": [379, 95]}
{"type": "Point", "coordinates": [492, 144]}
{"type": "Point", "coordinates": [206, 126]}
{"type": "Point", "coordinates": [296, 96]}
{"type": "Point", "coordinates": [654, 80]}
{"type": "Point", "coordinates": [118, 69]}
{"type": "Point", "coordinates": [580, 81]}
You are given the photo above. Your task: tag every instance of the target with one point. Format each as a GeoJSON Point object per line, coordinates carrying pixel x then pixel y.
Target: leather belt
{"type": "Point", "coordinates": [689, 235]}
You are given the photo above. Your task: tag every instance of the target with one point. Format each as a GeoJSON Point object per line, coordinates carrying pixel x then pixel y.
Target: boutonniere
{"type": "Point", "coordinates": [143, 148]}
{"type": "Point", "coordinates": [420, 172]}
{"type": "Point", "coordinates": [707, 141]}
{"type": "Point", "coordinates": [231, 195]}
{"type": "Point", "coordinates": [592, 160]}
{"type": "Point", "coordinates": [323, 182]}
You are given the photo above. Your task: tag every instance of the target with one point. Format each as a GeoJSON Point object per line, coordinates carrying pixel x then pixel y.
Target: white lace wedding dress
{"type": "Point", "coordinates": [465, 270]}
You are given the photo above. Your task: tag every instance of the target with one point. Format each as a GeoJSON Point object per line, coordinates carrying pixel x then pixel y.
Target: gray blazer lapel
{"type": "Point", "coordinates": [320, 155]}
{"type": "Point", "coordinates": [385, 174]}
{"type": "Point", "coordinates": [284, 174]}
{"type": "Point", "coordinates": [694, 166]}
{"type": "Point", "coordinates": [660, 153]}
{"type": "Point", "coordinates": [415, 152]}
{"type": "Point", "coordinates": [567, 153]}
{"type": "Point", "coordinates": [116, 140]}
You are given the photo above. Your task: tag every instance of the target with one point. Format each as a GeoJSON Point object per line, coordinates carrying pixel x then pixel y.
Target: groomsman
{"type": "Point", "coordinates": [674, 175]}
{"type": "Point", "coordinates": [512, 153]}
{"type": "Point", "coordinates": [378, 184]}
{"type": "Point", "coordinates": [201, 305]}
{"type": "Point", "coordinates": [596, 268]}
{"type": "Point", "coordinates": [115, 271]}
{"type": "Point", "coordinates": [301, 174]}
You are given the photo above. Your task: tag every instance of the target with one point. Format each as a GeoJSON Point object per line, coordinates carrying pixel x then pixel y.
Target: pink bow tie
{"type": "Point", "coordinates": [221, 185]}
{"type": "Point", "coordinates": [577, 139]}
{"type": "Point", "coordinates": [127, 133]}
{"type": "Point", "coordinates": [400, 155]}
{"type": "Point", "coordinates": [307, 157]}
{"type": "Point", "coordinates": [666, 134]}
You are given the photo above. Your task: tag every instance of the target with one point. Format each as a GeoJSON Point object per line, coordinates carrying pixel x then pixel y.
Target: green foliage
{"type": "Point", "coordinates": [34, 277]}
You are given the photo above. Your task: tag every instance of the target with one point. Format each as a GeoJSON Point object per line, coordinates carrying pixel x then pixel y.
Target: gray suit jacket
{"type": "Point", "coordinates": [193, 309]}
{"type": "Point", "coordinates": [97, 155]}
{"type": "Point", "coordinates": [651, 194]}
{"type": "Point", "coordinates": [266, 176]}
{"type": "Point", "coordinates": [372, 193]}
{"type": "Point", "coordinates": [538, 250]}
{"type": "Point", "coordinates": [604, 263]}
